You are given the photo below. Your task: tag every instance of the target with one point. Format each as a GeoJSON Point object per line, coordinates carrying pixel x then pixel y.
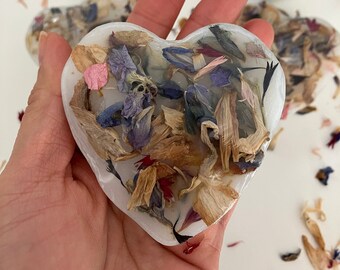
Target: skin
{"type": "Point", "coordinates": [53, 213]}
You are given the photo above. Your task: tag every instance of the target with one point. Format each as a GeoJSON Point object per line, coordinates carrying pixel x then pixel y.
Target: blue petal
{"type": "Point", "coordinates": [111, 116]}
{"type": "Point", "coordinates": [121, 65]}
{"type": "Point", "coordinates": [90, 13]}
{"type": "Point", "coordinates": [220, 76]}
{"type": "Point", "coordinates": [180, 57]}
{"type": "Point", "coordinates": [170, 90]}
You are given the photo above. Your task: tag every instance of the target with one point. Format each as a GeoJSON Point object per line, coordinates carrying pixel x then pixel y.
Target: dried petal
{"type": "Point", "coordinates": [145, 183]}
{"type": "Point", "coordinates": [223, 38]}
{"type": "Point", "coordinates": [111, 169]}
{"type": "Point", "coordinates": [315, 231]}
{"type": "Point", "coordinates": [285, 111]}
{"type": "Point", "coordinates": [144, 163]}
{"type": "Point", "coordinates": [220, 77]}
{"type": "Point", "coordinates": [121, 65]}
{"type": "Point", "coordinates": [171, 90]}
{"type": "Point", "coordinates": [165, 186]}
{"type": "Point", "coordinates": [246, 91]}
{"type": "Point", "coordinates": [134, 103]}
{"type": "Point", "coordinates": [313, 25]}
{"type": "Point", "coordinates": [275, 138]}
{"type": "Point", "coordinates": [335, 138]}
{"type": "Point", "coordinates": [323, 175]}
{"type": "Point", "coordinates": [174, 119]}
{"type": "Point", "coordinates": [20, 115]}
{"type": "Point", "coordinates": [132, 38]}
{"type": "Point", "coordinates": [318, 257]}
{"type": "Point", "coordinates": [90, 13]}
{"type": "Point", "coordinates": [180, 57]}
{"type": "Point", "coordinates": [208, 51]}
{"type": "Point", "coordinates": [198, 61]}
{"type": "Point", "coordinates": [270, 69]}
{"type": "Point", "coordinates": [111, 116]}
{"type": "Point", "coordinates": [191, 217]}
{"type": "Point", "coordinates": [209, 67]}
{"type": "Point", "coordinates": [234, 244]}
{"type": "Point", "coordinates": [96, 76]}
{"type": "Point", "coordinates": [139, 135]}
{"type": "Point", "coordinates": [85, 56]}
{"type": "Point", "coordinates": [255, 50]}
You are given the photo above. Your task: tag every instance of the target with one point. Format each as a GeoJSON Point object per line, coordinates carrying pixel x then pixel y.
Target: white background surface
{"type": "Point", "coordinates": [267, 218]}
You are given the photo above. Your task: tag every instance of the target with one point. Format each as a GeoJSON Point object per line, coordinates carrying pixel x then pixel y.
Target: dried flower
{"type": "Point", "coordinates": [291, 256]}
{"type": "Point", "coordinates": [134, 103]}
{"type": "Point", "coordinates": [323, 175]}
{"type": "Point", "coordinates": [96, 76]}
{"type": "Point", "coordinates": [111, 116]}
{"type": "Point", "coordinates": [223, 38]}
{"type": "Point", "coordinates": [180, 57]}
{"type": "Point", "coordinates": [121, 65]}
{"type": "Point", "coordinates": [335, 138]}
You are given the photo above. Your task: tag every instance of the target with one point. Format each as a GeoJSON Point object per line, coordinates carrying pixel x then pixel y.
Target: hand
{"type": "Point", "coordinates": [53, 213]}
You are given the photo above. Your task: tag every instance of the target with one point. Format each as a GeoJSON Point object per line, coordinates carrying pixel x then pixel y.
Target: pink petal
{"type": "Point", "coordinates": [285, 111]}
{"type": "Point", "coordinates": [96, 76]}
{"type": "Point", "coordinates": [214, 63]}
{"type": "Point", "coordinates": [247, 93]}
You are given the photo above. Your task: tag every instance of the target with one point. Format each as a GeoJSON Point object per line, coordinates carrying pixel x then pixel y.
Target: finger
{"type": "Point", "coordinates": [156, 16]}
{"type": "Point", "coordinates": [212, 11]}
{"type": "Point", "coordinates": [262, 29]}
{"type": "Point", "coordinates": [44, 140]}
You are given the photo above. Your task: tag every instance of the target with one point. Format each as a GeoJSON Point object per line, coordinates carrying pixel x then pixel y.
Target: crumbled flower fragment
{"type": "Point", "coordinates": [96, 76]}
{"type": "Point", "coordinates": [335, 138]}
{"type": "Point", "coordinates": [20, 115]}
{"type": "Point", "coordinates": [306, 110]}
{"type": "Point", "coordinates": [121, 65]}
{"type": "Point", "coordinates": [323, 175]}
{"type": "Point", "coordinates": [111, 116]}
{"type": "Point", "coordinates": [291, 256]}
{"type": "Point", "coordinates": [180, 57]}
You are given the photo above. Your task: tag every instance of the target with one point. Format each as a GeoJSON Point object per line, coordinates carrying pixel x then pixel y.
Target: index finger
{"type": "Point", "coordinates": [158, 16]}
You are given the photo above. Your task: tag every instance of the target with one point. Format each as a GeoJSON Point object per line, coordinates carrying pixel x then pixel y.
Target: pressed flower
{"type": "Point", "coordinates": [323, 175]}
{"type": "Point", "coordinates": [96, 76]}
{"type": "Point", "coordinates": [191, 217]}
{"type": "Point", "coordinates": [171, 90]}
{"type": "Point", "coordinates": [335, 138]}
{"type": "Point", "coordinates": [111, 116]}
{"type": "Point", "coordinates": [209, 67]}
{"type": "Point", "coordinates": [134, 103]}
{"type": "Point", "coordinates": [121, 65]}
{"type": "Point", "coordinates": [291, 256]}
{"type": "Point", "coordinates": [223, 38]}
{"type": "Point", "coordinates": [255, 50]}
{"type": "Point", "coordinates": [208, 51]}
{"type": "Point", "coordinates": [139, 135]}
{"type": "Point", "coordinates": [85, 56]}
{"type": "Point", "coordinates": [180, 57]}
{"type": "Point", "coordinates": [270, 69]}
{"type": "Point", "coordinates": [220, 76]}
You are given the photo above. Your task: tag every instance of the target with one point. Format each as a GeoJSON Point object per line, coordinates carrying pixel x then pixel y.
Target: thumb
{"type": "Point", "coordinates": [44, 140]}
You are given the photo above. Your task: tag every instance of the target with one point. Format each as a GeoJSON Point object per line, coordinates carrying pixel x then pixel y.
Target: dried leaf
{"type": "Point", "coordinates": [145, 183]}
{"type": "Point", "coordinates": [86, 56]}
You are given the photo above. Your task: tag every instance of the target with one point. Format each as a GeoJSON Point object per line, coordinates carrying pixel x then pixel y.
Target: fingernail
{"type": "Point", "coordinates": [42, 42]}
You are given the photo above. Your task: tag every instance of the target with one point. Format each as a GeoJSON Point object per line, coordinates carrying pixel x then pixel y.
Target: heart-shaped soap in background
{"type": "Point", "coordinates": [173, 130]}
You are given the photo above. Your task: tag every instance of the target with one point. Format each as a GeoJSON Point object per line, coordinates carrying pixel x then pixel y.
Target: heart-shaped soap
{"type": "Point", "coordinates": [173, 130]}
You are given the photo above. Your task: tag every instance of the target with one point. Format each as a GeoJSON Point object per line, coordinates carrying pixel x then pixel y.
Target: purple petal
{"type": "Point", "coordinates": [220, 76]}
{"type": "Point", "coordinates": [134, 103]}
{"type": "Point", "coordinates": [190, 218]}
{"type": "Point", "coordinates": [180, 57]}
